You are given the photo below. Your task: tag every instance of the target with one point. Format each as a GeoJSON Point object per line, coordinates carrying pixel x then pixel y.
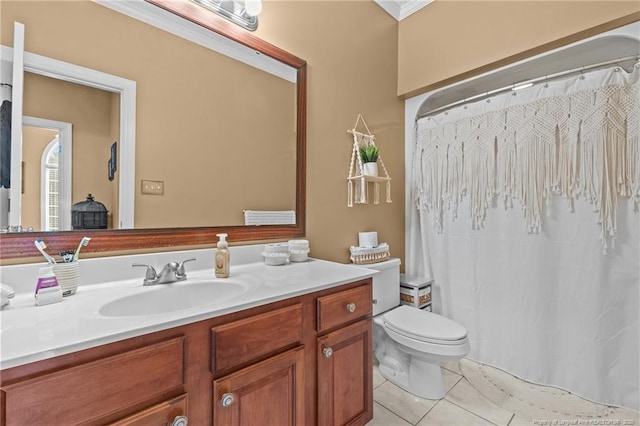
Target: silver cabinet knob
{"type": "Point", "coordinates": [327, 352]}
{"type": "Point", "coordinates": [351, 307]}
{"type": "Point", "coordinates": [180, 421]}
{"type": "Point", "coordinates": [227, 400]}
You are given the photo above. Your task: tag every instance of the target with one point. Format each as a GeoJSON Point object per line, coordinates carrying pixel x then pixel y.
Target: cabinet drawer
{"type": "Point", "coordinates": [344, 306]}
{"type": "Point", "coordinates": [162, 414]}
{"type": "Point", "coordinates": [253, 337]}
{"type": "Point", "coordinates": [91, 391]}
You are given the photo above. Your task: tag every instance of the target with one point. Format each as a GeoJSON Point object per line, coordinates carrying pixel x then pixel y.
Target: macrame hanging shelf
{"type": "Point", "coordinates": [358, 179]}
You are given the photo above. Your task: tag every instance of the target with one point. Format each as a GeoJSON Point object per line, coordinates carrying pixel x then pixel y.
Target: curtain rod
{"type": "Point", "coordinates": [527, 83]}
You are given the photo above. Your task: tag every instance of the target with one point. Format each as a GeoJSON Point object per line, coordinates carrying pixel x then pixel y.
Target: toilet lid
{"type": "Point", "coordinates": [424, 325]}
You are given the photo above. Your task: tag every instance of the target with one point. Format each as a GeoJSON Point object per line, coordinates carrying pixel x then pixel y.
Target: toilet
{"type": "Point", "coordinates": [410, 343]}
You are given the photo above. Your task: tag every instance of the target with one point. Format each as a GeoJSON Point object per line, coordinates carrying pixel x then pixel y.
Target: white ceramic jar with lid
{"type": "Point", "coordinates": [276, 254]}
{"type": "Point", "coordinates": [298, 250]}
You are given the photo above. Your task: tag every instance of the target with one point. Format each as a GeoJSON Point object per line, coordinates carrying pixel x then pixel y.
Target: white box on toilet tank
{"type": "Point", "coordinates": [415, 291]}
{"type": "Point", "coordinates": [386, 285]}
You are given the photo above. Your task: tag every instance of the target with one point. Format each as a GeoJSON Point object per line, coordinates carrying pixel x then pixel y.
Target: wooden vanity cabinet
{"type": "Point", "coordinates": [266, 365]}
{"type": "Point", "coordinates": [345, 387]}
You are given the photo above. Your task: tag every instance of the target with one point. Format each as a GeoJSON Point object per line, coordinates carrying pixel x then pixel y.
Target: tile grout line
{"type": "Point", "coordinates": [380, 384]}
{"type": "Point", "coordinates": [450, 370]}
{"type": "Point", "coordinates": [394, 413]}
{"type": "Point", "coordinates": [389, 409]}
{"type": "Point", "coordinates": [400, 415]}
{"type": "Point", "coordinates": [428, 411]}
{"type": "Point", "coordinates": [487, 400]}
{"type": "Point", "coordinates": [467, 410]}
{"type": "Point", "coordinates": [475, 414]}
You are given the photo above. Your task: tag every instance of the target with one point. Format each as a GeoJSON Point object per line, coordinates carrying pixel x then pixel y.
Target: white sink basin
{"type": "Point", "coordinates": [164, 298]}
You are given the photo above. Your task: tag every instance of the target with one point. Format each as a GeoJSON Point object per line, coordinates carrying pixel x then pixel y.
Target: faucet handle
{"type": "Point", "coordinates": [151, 274]}
{"type": "Point", "coordinates": [181, 273]}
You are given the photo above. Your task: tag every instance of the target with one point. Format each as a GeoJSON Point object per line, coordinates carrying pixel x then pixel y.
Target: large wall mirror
{"type": "Point", "coordinates": [222, 136]}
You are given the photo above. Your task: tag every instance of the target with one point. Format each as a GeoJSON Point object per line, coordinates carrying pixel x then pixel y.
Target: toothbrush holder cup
{"type": "Point", "coordinates": [68, 276]}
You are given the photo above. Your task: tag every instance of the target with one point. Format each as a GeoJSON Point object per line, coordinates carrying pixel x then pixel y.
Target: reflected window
{"type": "Point", "coordinates": [51, 186]}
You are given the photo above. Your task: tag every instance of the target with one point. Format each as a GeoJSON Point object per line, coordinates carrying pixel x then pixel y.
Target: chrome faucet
{"type": "Point", "coordinates": [170, 273]}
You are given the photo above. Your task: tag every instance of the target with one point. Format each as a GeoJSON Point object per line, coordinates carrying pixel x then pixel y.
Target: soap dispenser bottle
{"type": "Point", "coordinates": [222, 257]}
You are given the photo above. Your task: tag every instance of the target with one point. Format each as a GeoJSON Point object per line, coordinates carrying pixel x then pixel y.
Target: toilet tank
{"type": "Point", "coordinates": [386, 285]}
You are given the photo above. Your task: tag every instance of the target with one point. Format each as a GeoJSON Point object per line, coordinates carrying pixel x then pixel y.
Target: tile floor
{"type": "Point", "coordinates": [482, 395]}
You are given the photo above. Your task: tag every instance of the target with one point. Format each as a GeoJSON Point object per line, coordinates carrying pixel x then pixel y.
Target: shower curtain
{"type": "Point", "coordinates": [526, 216]}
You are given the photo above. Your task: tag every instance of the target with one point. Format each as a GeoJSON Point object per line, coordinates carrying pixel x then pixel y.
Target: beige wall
{"type": "Point", "coordinates": [351, 49]}
{"type": "Point", "coordinates": [450, 40]}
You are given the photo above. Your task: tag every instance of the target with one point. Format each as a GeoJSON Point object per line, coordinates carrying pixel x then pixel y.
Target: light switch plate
{"type": "Point", "coordinates": [153, 187]}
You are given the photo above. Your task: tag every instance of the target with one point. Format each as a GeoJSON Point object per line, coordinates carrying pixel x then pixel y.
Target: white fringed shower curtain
{"type": "Point", "coordinates": [527, 218]}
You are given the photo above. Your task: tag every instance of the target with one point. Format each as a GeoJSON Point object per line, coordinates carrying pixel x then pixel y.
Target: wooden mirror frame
{"type": "Point", "coordinates": [21, 245]}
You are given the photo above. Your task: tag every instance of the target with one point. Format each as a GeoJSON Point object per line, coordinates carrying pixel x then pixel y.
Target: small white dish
{"type": "Point", "coordinates": [275, 259]}
{"type": "Point", "coordinates": [299, 255]}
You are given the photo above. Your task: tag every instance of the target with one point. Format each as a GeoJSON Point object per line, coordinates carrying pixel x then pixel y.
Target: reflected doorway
{"type": "Point", "coordinates": [46, 174]}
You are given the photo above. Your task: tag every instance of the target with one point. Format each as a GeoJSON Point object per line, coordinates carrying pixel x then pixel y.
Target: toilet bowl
{"type": "Point", "coordinates": [409, 343]}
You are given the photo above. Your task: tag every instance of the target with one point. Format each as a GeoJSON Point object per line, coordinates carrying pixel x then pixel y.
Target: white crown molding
{"type": "Point", "coordinates": [400, 9]}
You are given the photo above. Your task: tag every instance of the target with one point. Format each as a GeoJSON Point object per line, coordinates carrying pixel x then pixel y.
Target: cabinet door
{"type": "Point", "coordinates": [269, 392]}
{"type": "Point", "coordinates": [168, 413]}
{"type": "Point", "coordinates": [345, 374]}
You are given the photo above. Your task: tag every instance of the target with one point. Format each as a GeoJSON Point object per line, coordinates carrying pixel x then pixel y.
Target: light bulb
{"type": "Point", "coordinates": [253, 7]}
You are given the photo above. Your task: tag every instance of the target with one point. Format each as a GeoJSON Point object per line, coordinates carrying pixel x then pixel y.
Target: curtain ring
{"type": "Point", "coordinates": [582, 73]}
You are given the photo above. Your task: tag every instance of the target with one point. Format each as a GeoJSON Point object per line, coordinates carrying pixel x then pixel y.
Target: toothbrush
{"type": "Point", "coordinates": [83, 243]}
{"type": "Point", "coordinates": [40, 245]}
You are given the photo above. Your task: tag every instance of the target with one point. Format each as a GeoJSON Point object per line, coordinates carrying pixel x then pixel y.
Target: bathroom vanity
{"type": "Point", "coordinates": [294, 348]}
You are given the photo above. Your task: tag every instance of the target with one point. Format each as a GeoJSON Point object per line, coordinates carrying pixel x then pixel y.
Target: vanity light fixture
{"type": "Point", "coordinates": [241, 12]}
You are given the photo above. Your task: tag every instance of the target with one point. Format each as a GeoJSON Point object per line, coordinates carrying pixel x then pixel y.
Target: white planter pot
{"type": "Point", "coordinates": [370, 169]}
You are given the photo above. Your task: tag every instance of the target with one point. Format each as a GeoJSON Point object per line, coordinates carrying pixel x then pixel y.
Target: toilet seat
{"type": "Point", "coordinates": [424, 326]}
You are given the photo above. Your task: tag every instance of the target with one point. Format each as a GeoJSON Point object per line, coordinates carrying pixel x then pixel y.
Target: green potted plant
{"type": "Point", "coordinates": [369, 155]}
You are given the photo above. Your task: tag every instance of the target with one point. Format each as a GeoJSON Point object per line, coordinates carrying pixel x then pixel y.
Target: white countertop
{"type": "Point", "coordinates": [31, 333]}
